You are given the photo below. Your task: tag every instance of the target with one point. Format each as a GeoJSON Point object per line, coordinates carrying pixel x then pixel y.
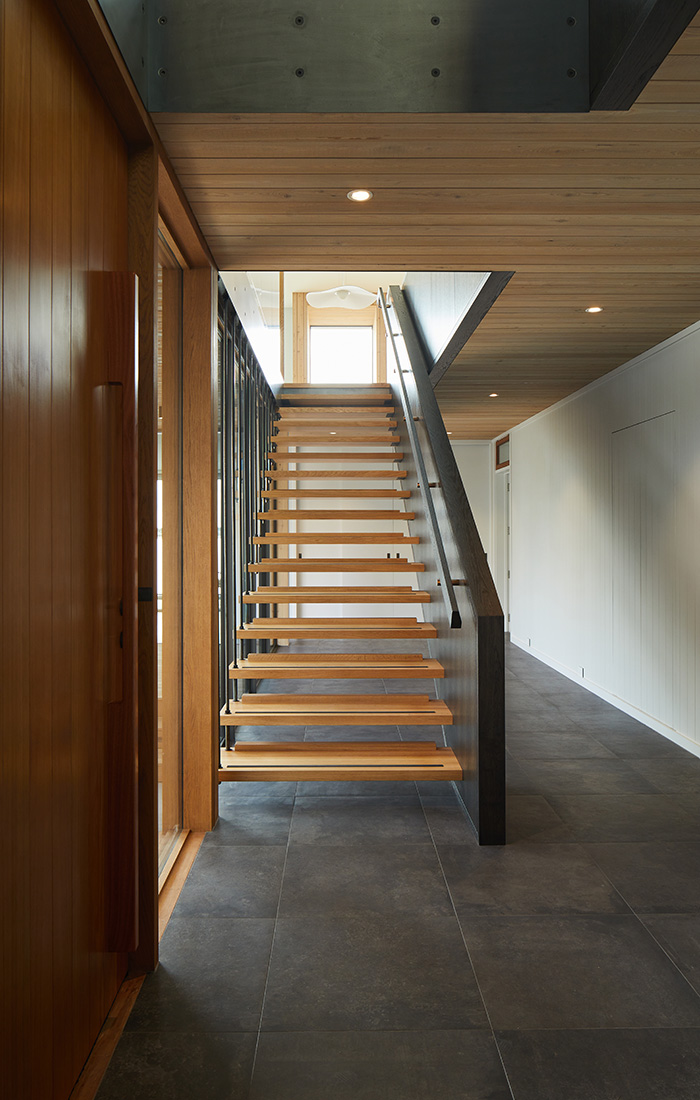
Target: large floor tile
{"type": "Point", "coordinates": [341, 821]}
{"type": "Point", "coordinates": [626, 738]}
{"type": "Point", "coordinates": [641, 1064]}
{"type": "Point", "coordinates": [680, 938]}
{"type": "Point", "coordinates": [259, 821]}
{"type": "Point", "coordinates": [448, 823]}
{"type": "Point", "coordinates": [653, 877]}
{"type": "Point", "coordinates": [532, 818]}
{"type": "Point", "coordinates": [371, 972]}
{"type": "Point", "coordinates": [236, 794]}
{"type": "Point", "coordinates": [351, 879]}
{"type": "Point", "coordinates": [233, 881]}
{"type": "Point", "coordinates": [555, 744]}
{"type": "Point", "coordinates": [349, 789]}
{"type": "Point", "coordinates": [672, 775]}
{"type": "Point", "coordinates": [576, 972]}
{"type": "Point", "coordinates": [351, 733]}
{"type": "Point", "coordinates": [527, 879]}
{"type": "Point", "coordinates": [623, 817]}
{"type": "Point", "coordinates": [589, 776]}
{"type": "Point", "coordinates": [446, 1065]}
{"type": "Point", "coordinates": [166, 1066]}
{"type": "Point", "coordinates": [211, 977]}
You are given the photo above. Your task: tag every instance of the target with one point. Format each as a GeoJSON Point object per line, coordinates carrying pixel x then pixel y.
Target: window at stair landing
{"type": "Point", "coordinates": [341, 354]}
{"type": "Point", "coordinates": [169, 555]}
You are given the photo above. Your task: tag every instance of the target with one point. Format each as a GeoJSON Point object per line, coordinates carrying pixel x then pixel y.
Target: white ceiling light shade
{"type": "Point", "coordinates": [343, 297]}
{"type": "Point", "coordinates": [360, 194]}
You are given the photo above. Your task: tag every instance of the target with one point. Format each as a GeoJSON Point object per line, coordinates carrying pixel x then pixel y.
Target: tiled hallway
{"type": "Point", "coordinates": [353, 942]}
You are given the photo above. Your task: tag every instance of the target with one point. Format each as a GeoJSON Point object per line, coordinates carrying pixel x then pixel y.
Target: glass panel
{"type": "Point", "coordinates": [169, 554]}
{"type": "Point", "coordinates": [503, 452]}
{"type": "Point", "coordinates": [341, 354]}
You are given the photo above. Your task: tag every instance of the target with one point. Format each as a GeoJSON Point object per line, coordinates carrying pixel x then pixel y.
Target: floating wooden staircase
{"type": "Point", "coordinates": [335, 416]}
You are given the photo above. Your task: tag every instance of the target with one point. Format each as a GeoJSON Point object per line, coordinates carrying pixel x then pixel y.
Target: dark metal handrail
{"type": "Point", "coordinates": [447, 587]}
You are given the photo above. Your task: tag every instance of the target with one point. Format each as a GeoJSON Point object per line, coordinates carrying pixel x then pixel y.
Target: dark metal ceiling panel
{"type": "Point", "coordinates": [360, 56]}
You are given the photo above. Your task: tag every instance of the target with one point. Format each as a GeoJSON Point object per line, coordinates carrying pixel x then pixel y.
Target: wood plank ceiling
{"type": "Point", "coordinates": [591, 209]}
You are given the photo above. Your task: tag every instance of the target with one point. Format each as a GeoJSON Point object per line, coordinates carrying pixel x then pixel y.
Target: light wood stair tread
{"type": "Point", "coordinates": [386, 659]}
{"type": "Point", "coordinates": [335, 629]}
{"type": "Point", "coordinates": [323, 703]}
{"type": "Point", "coordinates": [335, 710]}
{"type": "Point", "coordinates": [335, 456]}
{"type": "Point", "coordinates": [338, 760]}
{"type": "Point", "coordinates": [330, 412]}
{"type": "Point", "coordinates": [332, 538]}
{"type": "Point", "coordinates": [336, 565]}
{"type": "Point", "coordinates": [336, 494]}
{"type": "Point", "coordinates": [338, 666]}
{"type": "Point", "coordinates": [321, 435]}
{"type": "Point", "coordinates": [334, 513]}
{"type": "Point", "coordinates": [298, 594]}
{"type": "Point", "coordinates": [309, 475]}
{"type": "Point", "coordinates": [303, 400]}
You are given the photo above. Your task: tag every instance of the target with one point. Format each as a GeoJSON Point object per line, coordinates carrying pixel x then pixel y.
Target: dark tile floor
{"type": "Point", "coordinates": [353, 942]}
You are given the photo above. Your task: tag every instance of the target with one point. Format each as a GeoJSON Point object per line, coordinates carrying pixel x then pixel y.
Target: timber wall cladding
{"type": "Point", "coordinates": [64, 190]}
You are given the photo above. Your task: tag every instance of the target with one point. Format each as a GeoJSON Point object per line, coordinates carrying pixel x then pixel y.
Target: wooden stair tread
{"type": "Point", "coordinates": [348, 703]}
{"type": "Point", "coordinates": [302, 594]}
{"type": "Point", "coordinates": [387, 659]}
{"type": "Point", "coordinates": [342, 630]}
{"type": "Point", "coordinates": [348, 666]}
{"type": "Point", "coordinates": [299, 401]}
{"type": "Point", "coordinates": [339, 710]}
{"type": "Point", "coordinates": [307, 475]}
{"type": "Point", "coordinates": [332, 538]}
{"type": "Point", "coordinates": [331, 412]}
{"type": "Point", "coordinates": [333, 494]}
{"type": "Point", "coordinates": [335, 513]}
{"type": "Point", "coordinates": [336, 565]}
{"type": "Point", "coordinates": [338, 760]}
{"type": "Point", "coordinates": [335, 456]}
{"type": "Point", "coordinates": [319, 435]}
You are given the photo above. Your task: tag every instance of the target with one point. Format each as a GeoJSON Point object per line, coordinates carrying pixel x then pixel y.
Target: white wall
{"type": "Point", "coordinates": [475, 462]}
{"type": "Point", "coordinates": [605, 574]}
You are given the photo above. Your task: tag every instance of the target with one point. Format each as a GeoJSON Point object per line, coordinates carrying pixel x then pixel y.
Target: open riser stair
{"type": "Point", "coordinates": [353, 420]}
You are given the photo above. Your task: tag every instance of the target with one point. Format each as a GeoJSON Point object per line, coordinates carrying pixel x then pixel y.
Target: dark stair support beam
{"type": "Point", "coordinates": [490, 291]}
{"type": "Point", "coordinates": [648, 34]}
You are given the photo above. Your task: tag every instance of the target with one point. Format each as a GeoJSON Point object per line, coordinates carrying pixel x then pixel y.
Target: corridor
{"type": "Point", "coordinates": [338, 941]}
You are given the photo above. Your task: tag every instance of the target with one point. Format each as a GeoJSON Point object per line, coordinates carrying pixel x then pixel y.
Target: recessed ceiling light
{"type": "Point", "coordinates": [493, 395]}
{"type": "Point", "coordinates": [594, 309]}
{"type": "Point", "coordinates": [360, 195]}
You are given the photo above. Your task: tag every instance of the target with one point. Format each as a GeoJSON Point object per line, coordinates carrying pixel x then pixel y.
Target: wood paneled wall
{"type": "Point", "coordinates": [64, 189]}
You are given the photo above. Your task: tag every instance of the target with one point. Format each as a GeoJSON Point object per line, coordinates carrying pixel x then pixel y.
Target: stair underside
{"type": "Point", "coordinates": [338, 760]}
{"type": "Point", "coordinates": [350, 594]}
{"type": "Point", "coordinates": [336, 565]}
{"type": "Point", "coordinates": [337, 666]}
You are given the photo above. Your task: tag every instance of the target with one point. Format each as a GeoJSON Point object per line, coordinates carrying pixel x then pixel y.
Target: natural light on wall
{"type": "Point", "coordinates": [338, 354]}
